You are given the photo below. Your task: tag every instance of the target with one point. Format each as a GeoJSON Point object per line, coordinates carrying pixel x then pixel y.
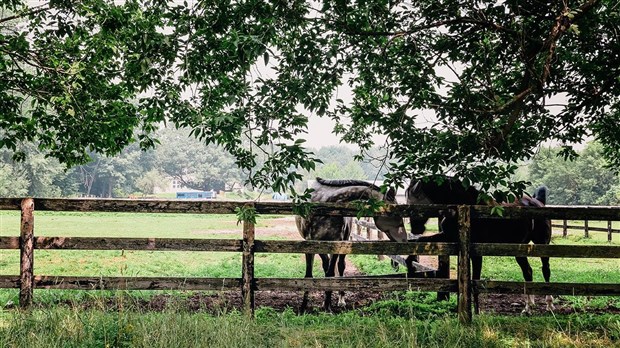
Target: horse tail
{"type": "Point", "coordinates": [346, 182]}
{"type": "Point", "coordinates": [541, 194]}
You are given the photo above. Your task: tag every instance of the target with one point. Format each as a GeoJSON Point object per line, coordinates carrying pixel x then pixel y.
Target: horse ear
{"type": "Point", "coordinates": [390, 195]}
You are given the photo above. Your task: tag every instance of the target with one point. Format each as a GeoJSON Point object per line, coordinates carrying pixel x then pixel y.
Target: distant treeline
{"type": "Point", "coordinates": [187, 163]}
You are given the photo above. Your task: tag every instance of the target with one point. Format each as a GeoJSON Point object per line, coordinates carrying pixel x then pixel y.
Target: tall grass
{"type": "Point", "coordinates": [70, 327]}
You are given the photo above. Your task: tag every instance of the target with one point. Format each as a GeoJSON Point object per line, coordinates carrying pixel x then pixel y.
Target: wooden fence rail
{"type": "Point", "coordinates": [586, 228]}
{"type": "Point", "coordinates": [27, 243]}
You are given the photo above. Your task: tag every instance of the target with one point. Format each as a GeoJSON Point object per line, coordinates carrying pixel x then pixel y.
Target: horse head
{"type": "Point", "coordinates": [351, 190]}
{"type": "Point", "coordinates": [437, 190]}
{"type": "Point", "coordinates": [392, 226]}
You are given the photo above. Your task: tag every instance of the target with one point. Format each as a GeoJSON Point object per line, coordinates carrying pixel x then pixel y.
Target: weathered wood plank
{"type": "Point", "coordinates": [370, 247]}
{"type": "Point", "coordinates": [162, 244]}
{"type": "Point", "coordinates": [103, 243]}
{"type": "Point", "coordinates": [9, 242]}
{"type": "Point", "coordinates": [10, 203]}
{"type": "Point", "coordinates": [464, 266]}
{"type": "Point", "coordinates": [542, 288]}
{"type": "Point", "coordinates": [301, 284]}
{"type": "Point", "coordinates": [9, 282]}
{"type": "Point", "coordinates": [26, 246]}
{"type": "Point", "coordinates": [574, 251]}
{"type": "Point", "coordinates": [286, 208]}
{"type": "Point", "coordinates": [207, 207]}
{"type": "Point", "coordinates": [355, 284]}
{"type": "Point", "coordinates": [552, 212]}
{"type": "Point", "coordinates": [581, 228]}
{"type": "Point", "coordinates": [136, 283]}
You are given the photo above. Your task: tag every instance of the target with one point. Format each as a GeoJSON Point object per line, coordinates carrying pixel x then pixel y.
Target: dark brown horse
{"type": "Point", "coordinates": [331, 228]}
{"type": "Point", "coordinates": [447, 190]}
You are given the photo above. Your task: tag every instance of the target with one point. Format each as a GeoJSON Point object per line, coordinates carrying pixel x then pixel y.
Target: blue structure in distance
{"type": "Point", "coordinates": [197, 195]}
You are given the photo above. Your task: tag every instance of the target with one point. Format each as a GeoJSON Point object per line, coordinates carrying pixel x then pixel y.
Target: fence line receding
{"type": "Point", "coordinates": [248, 246]}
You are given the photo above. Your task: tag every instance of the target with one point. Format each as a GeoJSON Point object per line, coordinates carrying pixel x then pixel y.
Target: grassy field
{"type": "Point", "coordinates": [411, 319]}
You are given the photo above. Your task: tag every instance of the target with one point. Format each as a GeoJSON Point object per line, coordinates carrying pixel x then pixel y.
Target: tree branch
{"type": "Point", "coordinates": [33, 11]}
{"type": "Point", "coordinates": [562, 24]}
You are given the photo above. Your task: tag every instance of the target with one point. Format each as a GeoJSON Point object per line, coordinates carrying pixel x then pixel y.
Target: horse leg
{"type": "Point", "coordinates": [309, 265]}
{"type": "Point", "coordinates": [331, 270]}
{"type": "Point", "coordinates": [341, 267]}
{"type": "Point", "coordinates": [546, 270]}
{"type": "Point", "coordinates": [324, 262]}
{"type": "Point", "coordinates": [476, 268]}
{"type": "Point", "coordinates": [409, 262]}
{"type": "Point", "coordinates": [527, 275]}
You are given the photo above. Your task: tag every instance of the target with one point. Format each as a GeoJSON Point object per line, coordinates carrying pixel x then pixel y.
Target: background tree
{"type": "Point", "coordinates": [466, 88]}
{"type": "Point", "coordinates": [150, 181]}
{"type": "Point", "coordinates": [37, 175]}
{"type": "Point", "coordinates": [113, 176]}
{"type": "Point", "coordinates": [194, 165]}
{"type": "Point", "coordinates": [11, 184]}
{"type": "Point", "coordinates": [582, 181]}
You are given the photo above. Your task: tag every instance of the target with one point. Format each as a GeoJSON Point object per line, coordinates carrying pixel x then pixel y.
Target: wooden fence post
{"type": "Point", "coordinates": [564, 228]}
{"type": "Point", "coordinates": [609, 231]}
{"type": "Point", "coordinates": [247, 280]}
{"type": "Point", "coordinates": [464, 270]}
{"type": "Point", "coordinates": [26, 247]}
{"type": "Point", "coordinates": [586, 229]}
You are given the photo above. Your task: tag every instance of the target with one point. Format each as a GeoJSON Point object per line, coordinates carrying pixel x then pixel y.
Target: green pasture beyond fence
{"type": "Point", "coordinates": [27, 242]}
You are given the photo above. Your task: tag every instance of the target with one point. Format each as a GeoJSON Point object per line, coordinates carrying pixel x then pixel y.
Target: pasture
{"type": "Point", "coordinates": [140, 318]}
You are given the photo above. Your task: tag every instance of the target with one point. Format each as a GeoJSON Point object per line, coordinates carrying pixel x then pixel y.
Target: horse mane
{"type": "Point", "coordinates": [346, 182]}
{"type": "Point", "coordinates": [541, 194]}
{"type": "Point", "coordinates": [443, 189]}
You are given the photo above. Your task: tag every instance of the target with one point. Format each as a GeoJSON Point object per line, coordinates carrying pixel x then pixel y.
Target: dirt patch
{"type": "Point", "coordinates": [223, 302]}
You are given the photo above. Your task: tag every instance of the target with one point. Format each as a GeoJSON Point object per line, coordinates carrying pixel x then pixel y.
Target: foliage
{"type": "Point", "coordinates": [193, 164]}
{"type": "Point", "coordinates": [150, 181]}
{"type": "Point", "coordinates": [583, 181]}
{"type": "Point", "coordinates": [333, 170]}
{"type": "Point", "coordinates": [341, 162]}
{"type": "Point", "coordinates": [38, 175]}
{"type": "Point", "coordinates": [368, 207]}
{"type": "Point", "coordinates": [72, 73]}
{"type": "Point", "coordinates": [245, 214]}
{"type": "Point", "coordinates": [12, 184]}
{"type": "Point", "coordinates": [462, 88]}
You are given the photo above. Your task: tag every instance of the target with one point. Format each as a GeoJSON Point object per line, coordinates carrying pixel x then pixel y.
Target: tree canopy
{"type": "Point", "coordinates": [464, 88]}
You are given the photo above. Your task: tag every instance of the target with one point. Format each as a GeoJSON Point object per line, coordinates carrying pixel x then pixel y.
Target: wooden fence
{"type": "Point", "coordinates": [586, 228]}
{"type": "Point", "coordinates": [27, 242]}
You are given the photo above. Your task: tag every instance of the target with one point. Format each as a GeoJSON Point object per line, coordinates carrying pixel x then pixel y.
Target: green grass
{"type": "Point", "coordinates": [65, 326]}
{"type": "Point", "coordinates": [134, 225]}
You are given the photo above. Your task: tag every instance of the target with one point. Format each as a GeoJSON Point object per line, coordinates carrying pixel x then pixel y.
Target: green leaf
{"type": "Point", "coordinates": [246, 214]}
{"type": "Point", "coordinates": [497, 210]}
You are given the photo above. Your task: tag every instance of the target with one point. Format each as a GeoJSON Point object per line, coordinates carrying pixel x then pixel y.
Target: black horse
{"type": "Point", "coordinates": [447, 190]}
{"type": "Point", "coordinates": [329, 228]}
